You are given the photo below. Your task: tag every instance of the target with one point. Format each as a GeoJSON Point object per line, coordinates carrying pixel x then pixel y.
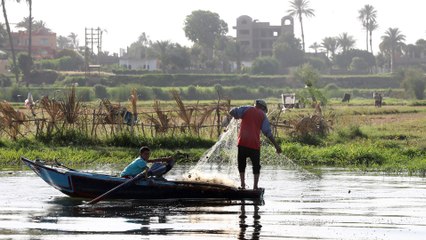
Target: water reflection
{"type": "Point", "coordinates": [256, 227]}
{"type": "Point", "coordinates": [339, 205]}
{"type": "Point", "coordinates": [144, 217]}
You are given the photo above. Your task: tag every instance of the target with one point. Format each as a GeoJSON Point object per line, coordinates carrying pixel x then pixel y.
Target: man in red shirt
{"type": "Point", "coordinates": [253, 120]}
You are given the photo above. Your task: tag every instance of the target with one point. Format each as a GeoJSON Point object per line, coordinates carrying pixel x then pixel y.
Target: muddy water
{"type": "Point", "coordinates": [335, 205]}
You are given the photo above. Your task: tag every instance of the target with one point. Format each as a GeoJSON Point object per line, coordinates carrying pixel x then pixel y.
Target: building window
{"type": "Point", "coordinates": [44, 42]}
{"type": "Point", "coordinates": [275, 33]}
{"type": "Point", "coordinates": [244, 32]}
{"type": "Point", "coordinates": [245, 43]}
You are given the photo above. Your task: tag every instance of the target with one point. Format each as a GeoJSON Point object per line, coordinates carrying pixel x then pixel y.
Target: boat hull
{"type": "Point", "coordinates": [90, 185]}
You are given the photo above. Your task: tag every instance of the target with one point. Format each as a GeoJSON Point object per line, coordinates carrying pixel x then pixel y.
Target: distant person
{"type": "Point", "coordinates": [378, 98]}
{"type": "Point", "coordinates": [159, 167]}
{"type": "Point", "coordinates": [253, 120]}
{"type": "Point", "coordinates": [346, 97]}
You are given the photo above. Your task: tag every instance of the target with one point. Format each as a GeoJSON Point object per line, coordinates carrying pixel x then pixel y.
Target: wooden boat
{"type": "Point", "coordinates": [90, 185]}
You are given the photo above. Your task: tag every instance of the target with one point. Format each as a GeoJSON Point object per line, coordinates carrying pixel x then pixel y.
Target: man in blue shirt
{"type": "Point", "coordinates": [160, 167]}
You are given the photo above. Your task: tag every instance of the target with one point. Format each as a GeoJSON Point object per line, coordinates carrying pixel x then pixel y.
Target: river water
{"type": "Point", "coordinates": [336, 204]}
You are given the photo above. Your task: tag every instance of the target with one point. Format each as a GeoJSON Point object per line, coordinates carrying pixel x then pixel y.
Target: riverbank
{"type": "Point", "coordinates": [391, 138]}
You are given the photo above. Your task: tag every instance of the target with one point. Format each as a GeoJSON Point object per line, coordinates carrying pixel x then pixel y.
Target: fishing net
{"type": "Point", "coordinates": [219, 163]}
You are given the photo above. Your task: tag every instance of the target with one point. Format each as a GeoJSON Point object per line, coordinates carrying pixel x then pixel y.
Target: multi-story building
{"type": "Point", "coordinates": [43, 44]}
{"type": "Point", "coordinates": [259, 37]}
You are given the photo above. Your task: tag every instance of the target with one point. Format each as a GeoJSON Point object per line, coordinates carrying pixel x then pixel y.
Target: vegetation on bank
{"type": "Point", "coordinates": [390, 139]}
{"type": "Point", "coordinates": [76, 149]}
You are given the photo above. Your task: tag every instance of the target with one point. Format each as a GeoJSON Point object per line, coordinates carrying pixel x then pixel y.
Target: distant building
{"type": "Point", "coordinates": [259, 37]}
{"type": "Point", "coordinates": [139, 63]}
{"type": "Point", "coordinates": [43, 44]}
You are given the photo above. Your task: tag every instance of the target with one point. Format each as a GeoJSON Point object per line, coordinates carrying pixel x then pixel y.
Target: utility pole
{"type": "Point", "coordinates": [92, 36]}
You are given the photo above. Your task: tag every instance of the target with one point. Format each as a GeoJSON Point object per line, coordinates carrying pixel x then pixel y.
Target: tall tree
{"type": "Point", "coordinates": [300, 8]}
{"type": "Point", "coordinates": [345, 41]}
{"type": "Point", "coordinates": [30, 23]}
{"type": "Point", "coordinates": [330, 44]}
{"type": "Point", "coordinates": [3, 35]}
{"type": "Point", "coordinates": [6, 20]}
{"type": "Point", "coordinates": [40, 26]}
{"type": "Point", "coordinates": [161, 48]}
{"type": "Point", "coordinates": [63, 42]}
{"type": "Point", "coordinates": [371, 27]}
{"type": "Point", "coordinates": [315, 46]}
{"type": "Point", "coordinates": [204, 28]}
{"type": "Point", "coordinates": [236, 52]}
{"type": "Point", "coordinates": [74, 40]}
{"type": "Point", "coordinates": [392, 42]}
{"type": "Point", "coordinates": [367, 14]}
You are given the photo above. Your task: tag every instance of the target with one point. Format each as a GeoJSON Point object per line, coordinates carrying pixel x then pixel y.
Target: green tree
{"type": "Point", "coordinates": [309, 76]}
{"type": "Point", "coordinates": [3, 35]}
{"type": "Point", "coordinates": [41, 26]}
{"type": "Point", "coordinates": [358, 65]}
{"type": "Point", "coordinates": [344, 59]}
{"type": "Point", "coordinates": [265, 65]}
{"type": "Point", "coordinates": [15, 67]}
{"type": "Point", "coordinates": [161, 48]}
{"type": "Point", "coordinates": [237, 52]}
{"type": "Point", "coordinates": [74, 40]}
{"type": "Point", "coordinates": [414, 82]}
{"type": "Point", "coordinates": [30, 29]}
{"type": "Point", "coordinates": [345, 41]}
{"type": "Point", "coordinates": [179, 57]}
{"type": "Point", "coordinates": [392, 43]}
{"type": "Point", "coordinates": [300, 8]}
{"type": "Point", "coordinates": [63, 42]}
{"type": "Point", "coordinates": [371, 27]}
{"type": "Point", "coordinates": [204, 28]}
{"type": "Point", "coordinates": [25, 64]}
{"type": "Point", "coordinates": [315, 46]}
{"type": "Point", "coordinates": [287, 51]}
{"type": "Point", "coordinates": [367, 15]}
{"type": "Point", "coordinates": [141, 49]}
{"type": "Point", "coordinates": [100, 91]}
{"type": "Point", "coordinates": [330, 44]}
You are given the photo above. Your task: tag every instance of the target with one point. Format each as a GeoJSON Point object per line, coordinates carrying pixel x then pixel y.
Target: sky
{"type": "Point", "coordinates": [124, 21]}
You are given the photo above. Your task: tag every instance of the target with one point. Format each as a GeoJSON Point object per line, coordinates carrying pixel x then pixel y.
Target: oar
{"type": "Point", "coordinates": [101, 197]}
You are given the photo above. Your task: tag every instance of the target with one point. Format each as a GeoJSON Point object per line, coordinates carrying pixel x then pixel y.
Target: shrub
{"type": "Point", "coordinates": [5, 81]}
{"type": "Point", "coordinates": [43, 77]}
{"type": "Point", "coordinates": [100, 91]}
{"type": "Point", "coordinates": [84, 94]}
{"type": "Point", "coordinates": [68, 63]}
{"type": "Point", "coordinates": [359, 65]}
{"type": "Point", "coordinates": [265, 65]}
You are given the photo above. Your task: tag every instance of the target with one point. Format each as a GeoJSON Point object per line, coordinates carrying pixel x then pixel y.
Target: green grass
{"type": "Point", "coordinates": [391, 139]}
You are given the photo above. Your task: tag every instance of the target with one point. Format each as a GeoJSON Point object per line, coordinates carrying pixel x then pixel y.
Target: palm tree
{"type": "Point", "coordinates": [392, 42]}
{"type": "Point", "coordinates": [6, 20]}
{"type": "Point", "coordinates": [366, 16]}
{"type": "Point", "coordinates": [371, 27]}
{"type": "Point", "coordinates": [30, 20]}
{"type": "Point", "coordinates": [330, 44]}
{"type": "Point", "coordinates": [161, 48]}
{"type": "Point", "coordinates": [40, 26]}
{"type": "Point", "coordinates": [300, 8]}
{"type": "Point", "coordinates": [345, 41]}
{"type": "Point", "coordinates": [74, 41]}
{"type": "Point", "coordinates": [236, 52]}
{"type": "Point", "coordinates": [3, 35]}
{"type": "Point", "coordinates": [315, 46]}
